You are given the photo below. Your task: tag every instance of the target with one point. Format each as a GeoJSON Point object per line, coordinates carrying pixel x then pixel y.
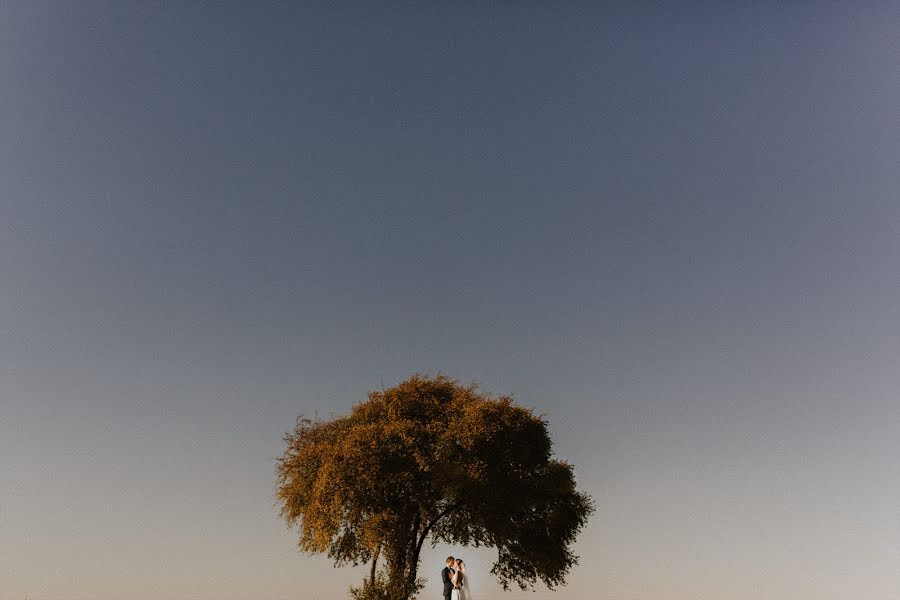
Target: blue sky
{"type": "Point", "coordinates": [674, 231]}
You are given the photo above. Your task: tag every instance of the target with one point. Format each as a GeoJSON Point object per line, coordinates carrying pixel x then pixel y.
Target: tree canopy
{"type": "Point", "coordinates": [431, 459]}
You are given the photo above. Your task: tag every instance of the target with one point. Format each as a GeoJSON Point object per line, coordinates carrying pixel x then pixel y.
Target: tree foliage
{"type": "Point", "coordinates": [431, 459]}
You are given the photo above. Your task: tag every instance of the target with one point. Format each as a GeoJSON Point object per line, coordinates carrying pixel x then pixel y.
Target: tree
{"type": "Point", "coordinates": [431, 459]}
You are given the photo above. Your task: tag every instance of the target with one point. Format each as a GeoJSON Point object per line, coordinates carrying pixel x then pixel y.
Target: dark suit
{"type": "Point", "coordinates": [445, 577]}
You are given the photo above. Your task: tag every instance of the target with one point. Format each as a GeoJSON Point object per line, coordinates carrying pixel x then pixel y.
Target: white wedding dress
{"type": "Point", "coordinates": [462, 592]}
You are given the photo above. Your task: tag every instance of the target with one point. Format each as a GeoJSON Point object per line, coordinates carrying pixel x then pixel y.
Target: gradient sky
{"type": "Point", "coordinates": [676, 232]}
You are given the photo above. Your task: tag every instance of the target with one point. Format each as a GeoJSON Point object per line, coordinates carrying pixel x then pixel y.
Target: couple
{"type": "Point", "coordinates": [456, 584]}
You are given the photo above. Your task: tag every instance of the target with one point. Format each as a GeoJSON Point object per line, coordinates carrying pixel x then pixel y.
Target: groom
{"type": "Point", "coordinates": [446, 574]}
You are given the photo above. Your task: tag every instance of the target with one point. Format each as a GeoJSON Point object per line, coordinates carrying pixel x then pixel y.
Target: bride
{"type": "Point", "coordinates": [460, 582]}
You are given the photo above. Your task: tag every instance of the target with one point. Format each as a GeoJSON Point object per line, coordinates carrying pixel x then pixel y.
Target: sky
{"type": "Point", "coordinates": [674, 231]}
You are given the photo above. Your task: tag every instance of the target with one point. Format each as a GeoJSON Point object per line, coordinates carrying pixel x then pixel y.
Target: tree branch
{"type": "Point", "coordinates": [428, 528]}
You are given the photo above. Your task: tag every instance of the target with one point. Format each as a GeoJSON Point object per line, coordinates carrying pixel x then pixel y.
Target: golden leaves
{"type": "Point", "coordinates": [432, 457]}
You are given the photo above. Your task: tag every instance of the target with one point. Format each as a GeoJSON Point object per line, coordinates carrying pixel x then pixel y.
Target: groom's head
{"type": "Point", "coordinates": [450, 561]}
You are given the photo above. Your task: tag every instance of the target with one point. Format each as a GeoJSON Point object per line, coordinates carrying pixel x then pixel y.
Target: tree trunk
{"type": "Point", "coordinates": [413, 567]}
{"type": "Point", "coordinates": [375, 562]}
